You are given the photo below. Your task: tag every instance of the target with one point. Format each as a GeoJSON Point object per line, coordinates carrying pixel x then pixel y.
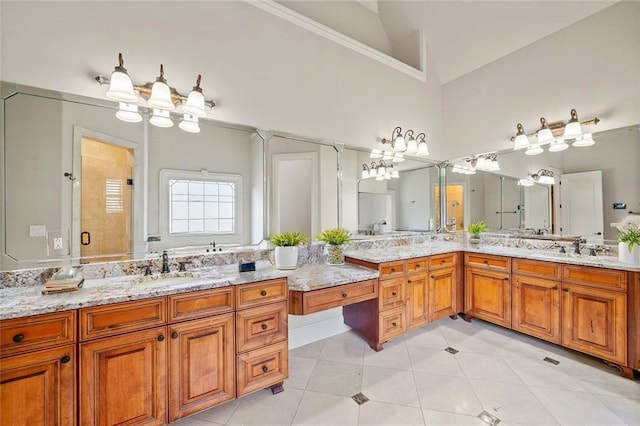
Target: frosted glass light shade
{"type": "Point", "coordinates": [121, 88]}
{"type": "Point", "coordinates": [161, 96]}
{"type": "Point", "coordinates": [546, 180]}
{"type": "Point", "coordinates": [423, 149]}
{"type": "Point", "coordinates": [412, 146]}
{"type": "Point", "coordinates": [128, 112]}
{"type": "Point", "coordinates": [558, 145]}
{"type": "Point", "coordinates": [375, 153]}
{"type": "Point", "coordinates": [388, 155]}
{"type": "Point", "coordinates": [398, 157]}
{"type": "Point", "coordinates": [380, 177]}
{"type": "Point", "coordinates": [544, 136]}
{"type": "Point", "coordinates": [189, 124]}
{"type": "Point", "coordinates": [399, 145]}
{"type": "Point", "coordinates": [195, 104]}
{"type": "Point", "coordinates": [586, 140]}
{"type": "Point", "coordinates": [382, 170]}
{"type": "Point", "coordinates": [534, 149]}
{"type": "Point", "coordinates": [395, 174]}
{"type": "Point", "coordinates": [520, 142]}
{"type": "Point", "coordinates": [365, 174]}
{"type": "Point", "coordinates": [526, 182]}
{"type": "Point", "coordinates": [161, 118]}
{"type": "Point", "coordinates": [572, 130]}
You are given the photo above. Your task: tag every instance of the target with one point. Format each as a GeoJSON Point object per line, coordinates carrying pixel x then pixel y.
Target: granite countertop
{"type": "Point", "coordinates": [390, 254]}
{"type": "Point", "coordinates": [25, 301]}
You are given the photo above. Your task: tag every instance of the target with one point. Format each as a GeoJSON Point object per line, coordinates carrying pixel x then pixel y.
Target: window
{"type": "Point", "coordinates": [201, 203]}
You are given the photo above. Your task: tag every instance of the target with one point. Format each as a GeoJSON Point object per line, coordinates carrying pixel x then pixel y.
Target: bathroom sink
{"type": "Point", "coordinates": [171, 278]}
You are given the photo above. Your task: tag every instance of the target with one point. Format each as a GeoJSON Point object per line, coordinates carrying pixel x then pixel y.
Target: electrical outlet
{"type": "Point", "coordinates": [57, 243]}
{"type": "Point", "coordinates": [37, 230]}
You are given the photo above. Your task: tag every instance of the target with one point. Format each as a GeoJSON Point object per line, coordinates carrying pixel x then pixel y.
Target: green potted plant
{"type": "Point", "coordinates": [335, 239]}
{"type": "Point", "coordinates": [286, 252]}
{"type": "Point", "coordinates": [475, 229]}
{"type": "Point", "coordinates": [629, 245]}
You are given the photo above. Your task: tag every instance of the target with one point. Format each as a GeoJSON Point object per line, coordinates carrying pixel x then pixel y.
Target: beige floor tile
{"type": "Point", "coordinates": [446, 393]}
{"type": "Point", "coordinates": [336, 378]}
{"type": "Point", "coordinates": [312, 350]}
{"type": "Point", "coordinates": [389, 385]}
{"type": "Point", "coordinates": [441, 418]}
{"type": "Point", "coordinates": [323, 409]}
{"type": "Point", "coordinates": [511, 402]}
{"type": "Point", "coordinates": [379, 413]}
{"type": "Point", "coordinates": [264, 408]}
{"type": "Point", "coordinates": [575, 408]}
{"type": "Point", "coordinates": [427, 336]}
{"type": "Point", "coordinates": [300, 370]}
{"type": "Point", "coordinates": [435, 361]}
{"type": "Point", "coordinates": [542, 373]}
{"type": "Point", "coordinates": [343, 350]}
{"type": "Point", "coordinates": [394, 355]}
{"type": "Point", "coordinates": [220, 413]}
{"type": "Point", "coordinates": [627, 409]}
{"type": "Point", "coordinates": [616, 386]}
{"type": "Point", "coordinates": [192, 421]}
{"type": "Point", "coordinates": [486, 367]}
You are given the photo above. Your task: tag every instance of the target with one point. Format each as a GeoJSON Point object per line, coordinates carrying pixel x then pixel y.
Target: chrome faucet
{"type": "Point", "coordinates": [165, 262]}
{"type": "Point", "coordinates": [576, 244]}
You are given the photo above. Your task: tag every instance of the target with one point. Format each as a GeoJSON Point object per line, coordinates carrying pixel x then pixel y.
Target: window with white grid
{"type": "Point", "coordinates": [200, 204]}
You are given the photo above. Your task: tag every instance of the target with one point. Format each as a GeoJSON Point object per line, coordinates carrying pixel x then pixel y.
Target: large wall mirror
{"type": "Point", "coordinates": [81, 185]}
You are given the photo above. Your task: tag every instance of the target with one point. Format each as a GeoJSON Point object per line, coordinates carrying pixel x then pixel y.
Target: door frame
{"type": "Point", "coordinates": [139, 189]}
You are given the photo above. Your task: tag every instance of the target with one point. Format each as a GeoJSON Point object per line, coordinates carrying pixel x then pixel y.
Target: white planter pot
{"type": "Point", "coordinates": [629, 257]}
{"type": "Point", "coordinates": [286, 257]}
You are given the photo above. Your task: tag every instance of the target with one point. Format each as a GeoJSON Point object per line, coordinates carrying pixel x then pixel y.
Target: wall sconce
{"type": "Point", "coordinates": [408, 143]}
{"type": "Point", "coordinates": [555, 135]}
{"type": "Point", "coordinates": [159, 96]}
{"type": "Point", "coordinates": [380, 171]}
{"type": "Point", "coordinates": [544, 176]}
{"type": "Point", "coordinates": [483, 162]}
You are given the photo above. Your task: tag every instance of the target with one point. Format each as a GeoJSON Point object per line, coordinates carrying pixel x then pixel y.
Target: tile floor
{"type": "Point", "coordinates": [414, 381]}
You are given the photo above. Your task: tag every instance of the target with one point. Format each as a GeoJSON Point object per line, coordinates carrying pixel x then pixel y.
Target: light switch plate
{"type": "Point", "coordinates": [37, 230]}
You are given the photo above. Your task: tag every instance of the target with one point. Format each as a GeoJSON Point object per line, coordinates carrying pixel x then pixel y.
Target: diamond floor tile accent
{"type": "Point", "coordinates": [360, 398]}
{"type": "Point", "coordinates": [551, 360]}
{"type": "Point", "coordinates": [488, 418]}
{"type": "Point", "coordinates": [451, 350]}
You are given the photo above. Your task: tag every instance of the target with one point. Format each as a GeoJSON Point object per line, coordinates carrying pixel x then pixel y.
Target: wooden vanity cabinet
{"type": "Point", "coordinates": [488, 288]}
{"type": "Point", "coordinates": [443, 286]}
{"type": "Point", "coordinates": [536, 298]}
{"type": "Point", "coordinates": [38, 370]}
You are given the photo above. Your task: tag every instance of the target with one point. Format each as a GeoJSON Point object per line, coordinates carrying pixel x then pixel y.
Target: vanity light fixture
{"type": "Point", "coordinates": [487, 163]}
{"type": "Point", "coordinates": [544, 176]}
{"type": "Point", "coordinates": [160, 97]}
{"type": "Point", "coordinates": [556, 135]}
{"type": "Point", "coordinates": [397, 140]}
{"type": "Point", "coordinates": [466, 167]}
{"type": "Point", "coordinates": [380, 171]}
{"type": "Point", "coordinates": [408, 144]}
{"type": "Point", "coordinates": [526, 182]}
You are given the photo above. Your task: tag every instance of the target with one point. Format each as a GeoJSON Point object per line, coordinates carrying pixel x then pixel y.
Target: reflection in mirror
{"type": "Point", "coordinates": [405, 203]}
{"type": "Point", "coordinates": [77, 182]}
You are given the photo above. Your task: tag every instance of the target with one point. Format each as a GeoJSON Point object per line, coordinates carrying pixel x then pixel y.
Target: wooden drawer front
{"type": "Point", "coordinates": [391, 293]}
{"type": "Point", "coordinates": [498, 263]}
{"type": "Point", "coordinates": [392, 323]}
{"type": "Point", "coordinates": [122, 317]}
{"type": "Point", "coordinates": [26, 334]}
{"type": "Point", "coordinates": [250, 295]}
{"type": "Point", "coordinates": [418, 264]}
{"type": "Point", "coordinates": [442, 261]}
{"type": "Point", "coordinates": [200, 304]}
{"type": "Point", "coordinates": [261, 326]}
{"type": "Point", "coordinates": [537, 268]}
{"type": "Point", "coordinates": [319, 300]}
{"type": "Point", "coordinates": [262, 367]}
{"type": "Point", "coordinates": [391, 270]}
{"type": "Point", "coordinates": [595, 277]}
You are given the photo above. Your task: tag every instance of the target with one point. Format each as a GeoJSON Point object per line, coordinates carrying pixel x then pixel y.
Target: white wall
{"type": "Point", "coordinates": [592, 66]}
{"type": "Point", "coordinates": [260, 69]}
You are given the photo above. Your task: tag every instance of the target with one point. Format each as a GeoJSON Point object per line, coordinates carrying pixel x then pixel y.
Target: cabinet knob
{"type": "Point", "coordinates": [433, 277]}
{"type": "Point", "coordinates": [264, 326]}
{"type": "Point", "coordinates": [393, 269]}
{"type": "Point", "coordinates": [506, 278]}
{"type": "Point", "coordinates": [409, 281]}
{"type": "Point", "coordinates": [65, 359]}
{"type": "Point", "coordinates": [174, 335]}
{"type": "Point", "coordinates": [394, 293]}
{"type": "Point", "coordinates": [565, 290]}
{"type": "Point", "coordinates": [394, 324]}
{"type": "Point", "coordinates": [442, 261]}
{"type": "Point", "coordinates": [486, 262]}
{"type": "Point", "coordinates": [160, 338]}
{"type": "Point", "coordinates": [344, 295]}
{"type": "Point", "coordinates": [263, 293]}
{"type": "Point", "coordinates": [264, 369]}
{"type": "Point", "coordinates": [555, 287]}
{"type": "Point", "coordinates": [18, 338]}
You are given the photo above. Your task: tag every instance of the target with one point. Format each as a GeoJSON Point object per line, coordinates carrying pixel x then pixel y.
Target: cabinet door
{"type": "Point", "coordinates": [417, 309]}
{"type": "Point", "coordinates": [536, 307]}
{"type": "Point", "coordinates": [38, 388]}
{"type": "Point", "coordinates": [595, 321]}
{"type": "Point", "coordinates": [488, 296]}
{"type": "Point", "coordinates": [201, 365]}
{"type": "Point", "coordinates": [123, 379]}
{"type": "Point", "coordinates": [442, 293]}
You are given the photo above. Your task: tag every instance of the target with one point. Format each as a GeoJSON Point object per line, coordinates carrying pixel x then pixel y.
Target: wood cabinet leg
{"type": "Point", "coordinates": [626, 372]}
{"type": "Point", "coordinates": [376, 346]}
{"type": "Point", "coordinates": [467, 317]}
{"type": "Point", "coordinates": [454, 316]}
{"type": "Point", "coordinates": [277, 388]}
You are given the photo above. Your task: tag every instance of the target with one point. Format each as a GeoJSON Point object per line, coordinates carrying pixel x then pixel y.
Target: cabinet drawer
{"type": "Point", "coordinates": [497, 263]}
{"type": "Point", "coordinates": [537, 268]}
{"type": "Point", "coordinates": [249, 295]}
{"type": "Point", "coordinates": [442, 261]}
{"type": "Point", "coordinates": [260, 326]}
{"type": "Point", "coordinates": [262, 367]}
{"type": "Point", "coordinates": [391, 293]}
{"type": "Point", "coordinates": [200, 304]}
{"type": "Point", "coordinates": [595, 277]}
{"type": "Point", "coordinates": [392, 270]}
{"type": "Point", "coordinates": [320, 300]}
{"type": "Point", "coordinates": [418, 264]}
{"type": "Point", "coordinates": [391, 323]}
{"type": "Point", "coordinates": [123, 317]}
{"type": "Point", "coordinates": [26, 334]}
